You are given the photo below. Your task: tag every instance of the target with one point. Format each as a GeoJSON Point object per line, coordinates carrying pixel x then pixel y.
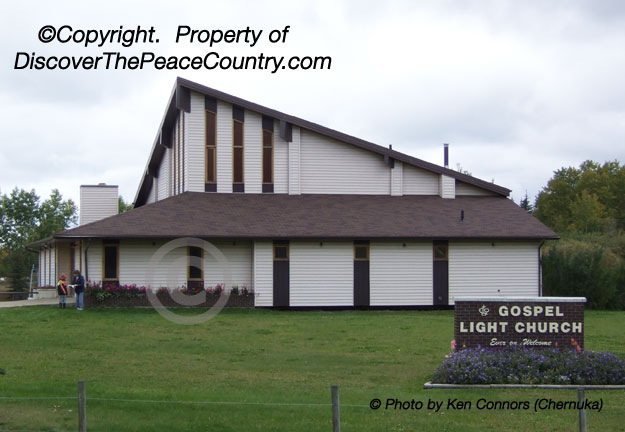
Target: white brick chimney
{"type": "Point", "coordinates": [97, 202]}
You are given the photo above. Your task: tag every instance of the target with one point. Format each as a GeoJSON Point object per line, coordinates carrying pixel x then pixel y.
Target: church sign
{"type": "Point", "coordinates": [535, 322]}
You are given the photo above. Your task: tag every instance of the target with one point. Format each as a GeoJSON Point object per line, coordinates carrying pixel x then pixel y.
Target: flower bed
{"type": "Point", "coordinates": [114, 295]}
{"type": "Point", "coordinates": [515, 365]}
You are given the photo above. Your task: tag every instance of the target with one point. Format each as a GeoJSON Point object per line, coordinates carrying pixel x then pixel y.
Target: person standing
{"type": "Point", "coordinates": [61, 289]}
{"type": "Point", "coordinates": [79, 288]}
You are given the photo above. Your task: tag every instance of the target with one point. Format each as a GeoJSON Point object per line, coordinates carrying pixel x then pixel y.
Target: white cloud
{"type": "Point", "coordinates": [518, 89]}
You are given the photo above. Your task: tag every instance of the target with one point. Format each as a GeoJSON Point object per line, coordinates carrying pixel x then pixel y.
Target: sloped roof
{"type": "Point", "coordinates": [275, 216]}
{"type": "Point", "coordinates": [179, 100]}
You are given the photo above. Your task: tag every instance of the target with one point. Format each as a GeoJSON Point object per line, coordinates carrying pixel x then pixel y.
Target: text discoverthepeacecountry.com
{"type": "Point", "coordinates": [129, 37]}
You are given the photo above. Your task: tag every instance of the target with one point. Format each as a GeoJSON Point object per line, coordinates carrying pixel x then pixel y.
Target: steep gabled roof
{"type": "Point", "coordinates": [275, 216]}
{"type": "Point", "coordinates": [180, 100]}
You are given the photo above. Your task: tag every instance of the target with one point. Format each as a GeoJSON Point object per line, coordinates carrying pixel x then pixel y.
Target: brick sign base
{"type": "Point", "coordinates": [534, 322]}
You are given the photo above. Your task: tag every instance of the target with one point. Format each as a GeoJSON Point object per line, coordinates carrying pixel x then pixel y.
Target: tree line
{"type": "Point", "coordinates": [586, 207]}
{"type": "Point", "coordinates": [24, 219]}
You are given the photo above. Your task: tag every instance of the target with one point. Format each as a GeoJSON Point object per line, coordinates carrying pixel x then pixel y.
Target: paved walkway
{"type": "Point", "coordinates": [37, 302]}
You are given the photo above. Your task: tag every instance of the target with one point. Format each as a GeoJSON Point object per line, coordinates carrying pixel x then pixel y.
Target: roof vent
{"type": "Point", "coordinates": [446, 155]}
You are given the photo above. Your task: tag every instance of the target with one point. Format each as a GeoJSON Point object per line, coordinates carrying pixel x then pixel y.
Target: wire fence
{"type": "Point", "coordinates": [333, 405]}
{"type": "Point", "coordinates": [81, 400]}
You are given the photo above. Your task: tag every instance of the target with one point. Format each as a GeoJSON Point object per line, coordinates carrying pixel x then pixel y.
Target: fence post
{"type": "Point", "coordinates": [82, 407]}
{"type": "Point", "coordinates": [581, 400]}
{"type": "Point", "coordinates": [336, 412]}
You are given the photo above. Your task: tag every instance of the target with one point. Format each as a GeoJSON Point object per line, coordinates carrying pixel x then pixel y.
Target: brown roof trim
{"type": "Point", "coordinates": [180, 102]}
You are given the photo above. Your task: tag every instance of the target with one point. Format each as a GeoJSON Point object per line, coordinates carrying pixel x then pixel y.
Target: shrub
{"type": "Point", "coordinates": [516, 365]}
{"type": "Point", "coordinates": [584, 269]}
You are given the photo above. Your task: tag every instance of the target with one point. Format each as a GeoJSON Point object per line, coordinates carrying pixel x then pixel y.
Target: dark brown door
{"type": "Point", "coordinates": [361, 274]}
{"type": "Point", "coordinates": [441, 273]}
{"type": "Point", "coordinates": [281, 274]}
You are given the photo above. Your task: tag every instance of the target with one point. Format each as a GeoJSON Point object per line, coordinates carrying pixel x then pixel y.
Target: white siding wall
{"type": "Point", "coordinates": [507, 269]}
{"type": "Point", "coordinates": [321, 275]}
{"type": "Point", "coordinates": [330, 166]}
{"type": "Point", "coordinates": [447, 187]}
{"type": "Point", "coordinates": [467, 189]}
{"type": "Point", "coordinates": [417, 181]}
{"type": "Point", "coordinates": [134, 264]}
{"type": "Point", "coordinates": [400, 275]}
{"type": "Point", "coordinates": [280, 161]}
{"type": "Point", "coordinates": [239, 258]}
{"type": "Point", "coordinates": [252, 148]}
{"type": "Point", "coordinates": [135, 258]}
{"type": "Point", "coordinates": [295, 163]}
{"type": "Point", "coordinates": [263, 273]}
{"type": "Point", "coordinates": [397, 179]}
{"type": "Point", "coordinates": [163, 176]}
{"type": "Point", "coordinates": [53, 270]}
{"type": "Point", "coordinates": [94, 256]}
{"type": "Point", "coordinates": [77, 261]}
{"type": "Point", "coordinates": [97, 202]}
{"type": "Point", "coordinates": [195, 144]}
{"type": "Point", "coordinates": [224, 147]}
{"type": "Point", "coordinates": [43, 269]}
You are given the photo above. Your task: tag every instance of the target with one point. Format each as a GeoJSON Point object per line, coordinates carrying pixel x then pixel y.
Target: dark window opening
{"type": "Point", "coordinates": [211, 147]}
{"type": "Point", "coordinates": [195, 272]}
{"type": "Point", "coordinates": [111, 253]}
{"type": "Point", "coordinates": [237, 152]}
{"type": "Point", "coordinates": [441, 251]}
{"type": "Point", "coordinates": [267, 156]}
{"type": "Point", "coordinates": [280, 252]}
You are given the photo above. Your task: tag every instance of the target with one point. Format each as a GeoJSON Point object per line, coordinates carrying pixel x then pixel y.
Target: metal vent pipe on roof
{"type": "Point", "coordinates": [446, 155]}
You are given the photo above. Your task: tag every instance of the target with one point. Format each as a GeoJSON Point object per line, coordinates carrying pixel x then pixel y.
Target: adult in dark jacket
{"type": "Point", "coordinates": [79, 288]}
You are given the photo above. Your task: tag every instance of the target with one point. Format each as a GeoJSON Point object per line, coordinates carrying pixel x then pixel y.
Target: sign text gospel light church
{"type": "Point", "coordinates": [533, 321]}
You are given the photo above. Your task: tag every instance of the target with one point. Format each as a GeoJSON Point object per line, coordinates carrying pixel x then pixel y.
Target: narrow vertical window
{"type": "Point", "coordinates": [195, 270]}
{"type": "Point", "coordinates": [182, 155]}
{"type": "Point", "coordinates": [267, 154]}
{"type": "Point", "coordinates": [237, 155]}
{"type": "Point", "coordinates": [110, 262]}
{"type": "Point", "coordinates": [211, 151]}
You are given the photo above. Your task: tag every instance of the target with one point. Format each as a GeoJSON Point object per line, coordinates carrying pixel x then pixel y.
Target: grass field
{"type": "Point", "coordinates": [248, 360]}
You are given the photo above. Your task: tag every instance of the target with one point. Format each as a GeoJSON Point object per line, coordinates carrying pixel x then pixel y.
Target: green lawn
{"type": "Point", "coordinates": [257, 358]}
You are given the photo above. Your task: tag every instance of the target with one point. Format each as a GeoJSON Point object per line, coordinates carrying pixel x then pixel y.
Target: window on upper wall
{"type": "Point", "coordinates": [211, 151]}
{"type": "Point", "coordinates": [237, 154]}
{"type": "Point", "coordinates": [267, 154]}
{"type": "Point", "coordinates": [195, 268]}
{"type": "Point", "coordinates": [110, 262]}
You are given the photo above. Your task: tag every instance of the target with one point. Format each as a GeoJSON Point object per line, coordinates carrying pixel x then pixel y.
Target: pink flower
{"type": "Point", "coordinates": [453, 345]}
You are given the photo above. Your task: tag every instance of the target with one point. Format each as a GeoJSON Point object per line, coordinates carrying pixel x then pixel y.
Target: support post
{"type": "Point", "coordinates": [82, 407]}
{"type": "Point", "coordinates": [581, 400]}
{"type": "Point", "coordinates": [336, 412]}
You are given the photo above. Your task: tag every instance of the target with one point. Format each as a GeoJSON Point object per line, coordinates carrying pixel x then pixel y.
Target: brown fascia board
{"type": "Point", "coordinates": [340, 136]}
{"type": "Point", "coordinates": [316, 238]}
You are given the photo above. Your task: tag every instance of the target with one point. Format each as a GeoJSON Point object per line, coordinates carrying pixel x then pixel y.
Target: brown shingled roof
{"type": "Point", "coordinates": [211, 215]}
